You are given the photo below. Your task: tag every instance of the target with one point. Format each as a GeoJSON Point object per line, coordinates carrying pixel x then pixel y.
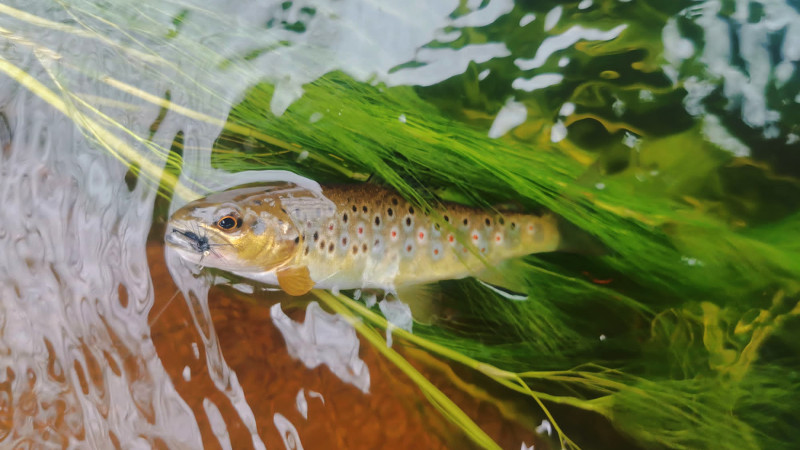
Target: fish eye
{"type": "Point", "coordinates": [227, 222]}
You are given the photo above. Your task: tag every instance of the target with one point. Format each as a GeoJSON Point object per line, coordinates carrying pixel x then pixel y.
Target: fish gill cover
{"type": "Point", "coordinates": [665, 131]}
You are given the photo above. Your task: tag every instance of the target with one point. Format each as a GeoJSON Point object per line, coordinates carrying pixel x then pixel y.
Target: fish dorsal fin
{"type": "Point", "coordinates": [295, 280]}
{"type": "Point", "coordinates": [504, 280]}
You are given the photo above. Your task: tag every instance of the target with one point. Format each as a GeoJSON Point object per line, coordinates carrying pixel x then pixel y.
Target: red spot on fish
{"type": "Point", "coordinates": [464, 250]}
{"type": "Point", "coordinates": [530, 227]}
{"type": "Point", "coordinates": [408, 249]}
{"type": "Point", "coordinates": [394, 234]}
{"type": "Point", "coordinates": [475, 237]}
{"type": "Point", "coordinates": [421, 235]}
{"type": "Point", "coordinates": [450, 238]}
{"type": "Point", "coordinates": [360, 230]}
{"type": "Point", "coordinates": [497, 239]}
{"type": "Point", "coordinates": [330, 227]}
{"type": "Point", "coordinates": [436, 251]}
{"type": "Point", "coordinates": [483, 250]}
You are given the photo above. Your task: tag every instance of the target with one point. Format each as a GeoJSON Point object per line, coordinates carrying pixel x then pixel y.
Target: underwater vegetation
{"type": "Point", "coordinates": [668, 146]}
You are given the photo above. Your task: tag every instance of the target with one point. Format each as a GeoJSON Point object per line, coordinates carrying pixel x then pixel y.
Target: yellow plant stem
{"type": "Point", "coordinates": [505, 378]}
{"type": "Point", "coordinates": [114, 145]}
{"type": "Point", "coordinates": [434, 395]}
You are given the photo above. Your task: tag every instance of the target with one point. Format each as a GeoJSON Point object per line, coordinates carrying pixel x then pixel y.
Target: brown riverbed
{"type": "Point", "coordinates": [393, 415]}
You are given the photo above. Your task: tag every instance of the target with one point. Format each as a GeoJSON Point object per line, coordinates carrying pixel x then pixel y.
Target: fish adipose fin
{"type": "Point", "coordinates": [295, 280]}
{"type": "Point", "coordinates": [505, 281]}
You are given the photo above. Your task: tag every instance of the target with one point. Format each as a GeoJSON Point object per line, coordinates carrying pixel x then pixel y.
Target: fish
{"type": "Point", "coordinates": [341, 237]}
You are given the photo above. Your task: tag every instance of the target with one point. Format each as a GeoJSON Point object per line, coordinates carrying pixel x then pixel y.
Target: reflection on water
{"type": "Point", "coordinates": [78, 362]}
{"type": "Point", "coordinates": [106, 341]}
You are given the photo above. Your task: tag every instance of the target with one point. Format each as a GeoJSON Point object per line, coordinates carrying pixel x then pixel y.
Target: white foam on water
{"type": "Point", "coordinates": [217, 423]}
{"type": "Point", "coordinates": [301, 403]}
{"type": "Point", "coordinates": [558, 132]}
{"type": "Point", "coordinates": [315, 394]}
{"type": "Point", "coordinates": [511, 115]}
{"type": "Point", "coordinates": [326, 339]}
{"type": "Point", "coordinates": [744, 84]}
{"type": "Point", "coordinates": [487, 15]}
{"type": "Point", "coordinates": [289, 435]}
{"type": "Point", "coordinates": [565, 40]}
{"type": "Point", "coordinates": [526, 19]}
{"type": "Point", "coordinates": [538, 82]}
{"type": "Point", "coordinates": [397, 313]}
{"type": "Point", "coordinates": [545, 427]}
{"type": "Point", "coordinates": [715, 132]}
{"type": "Point", "coordinates": [443, 63]}
{"type": "Point", "coordinates": [552, 17]}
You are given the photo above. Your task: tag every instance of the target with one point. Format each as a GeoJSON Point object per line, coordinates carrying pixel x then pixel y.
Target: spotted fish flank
{"type": "Point", "coordinates": [349, 237]}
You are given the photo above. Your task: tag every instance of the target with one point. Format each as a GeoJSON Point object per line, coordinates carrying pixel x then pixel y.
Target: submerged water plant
{"type": "Point", "coordinates": [675, 319]}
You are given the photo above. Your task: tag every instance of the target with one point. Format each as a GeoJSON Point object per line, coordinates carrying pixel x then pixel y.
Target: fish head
{"type": "Point", "coordinates": [242, 230]}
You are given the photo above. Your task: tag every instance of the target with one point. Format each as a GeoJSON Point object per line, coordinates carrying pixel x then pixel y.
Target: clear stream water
{"type": "Point", "coordinates": [93, 354]}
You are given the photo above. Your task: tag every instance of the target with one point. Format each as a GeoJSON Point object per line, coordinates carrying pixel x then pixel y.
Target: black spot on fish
{"type": "Point", "coordinates": [364, 208]}
{"type": "Point", "coordinates": [447, 219]}
{"type": "Point", "coordinates": [502, 221]}
{"type": "Point", "coordinates": [513, 225]}
{"type": "Point", "coordinates": [408, 221]}
{"type": "Point", "coordinates": [377, 220]}
{"type": "Point", "coordinates": [344, 241]}
{"type": "Point", "coordinates": [389, 212]}
{"type": "Point", "coordinates": [411, 210]}
{"type": "Point", "coordinates": [306, 252]}
{"type": "Point", "coordinates": [344, 218]}
{"type": "Point", "coordinates": [355, 249]}
{"type": "Point", "coordinates": [355, 208]}
{"type": "Point", "coordinates": [363, 247]}
{"type": "Point", "coordinates": [488, 222]}
{"type": "Point", "coordinates": [466, 222]}
{"type": "Point", "coordinates": [297, 240]}
{"type": "Point", "coordinates": [394, 201]}
{"type": "Point", "coordinates": [322, 244]}
{"type": "Point", "coordinates": [436, 226]}
{"type": "Point", "coordinates": [316, 236]}
{"type": "Point", "coordinates": [377, 242]}
{"type": "Point", "coordinates": [330, 248]}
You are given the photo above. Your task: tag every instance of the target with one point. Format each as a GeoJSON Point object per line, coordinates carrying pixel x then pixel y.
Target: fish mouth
{"type": "Point", "coordinates": [187, 240]}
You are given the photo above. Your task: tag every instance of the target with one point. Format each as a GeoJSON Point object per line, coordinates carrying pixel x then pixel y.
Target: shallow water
{"type": "Point", "coordinates": [108, 341]}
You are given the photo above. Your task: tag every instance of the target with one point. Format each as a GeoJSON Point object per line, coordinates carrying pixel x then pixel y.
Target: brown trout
{"type": "Point", "coordinates": [348, 237]}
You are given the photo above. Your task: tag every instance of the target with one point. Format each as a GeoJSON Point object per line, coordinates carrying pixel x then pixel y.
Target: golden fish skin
{"type": "Point", "coordinates": [349, 237]}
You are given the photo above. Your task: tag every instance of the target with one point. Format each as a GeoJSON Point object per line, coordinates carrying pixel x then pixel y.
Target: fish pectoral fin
{"type": "Point", "coordinates": [505, 281]}
{"type": "Point", "coordinates": [295, 280]}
